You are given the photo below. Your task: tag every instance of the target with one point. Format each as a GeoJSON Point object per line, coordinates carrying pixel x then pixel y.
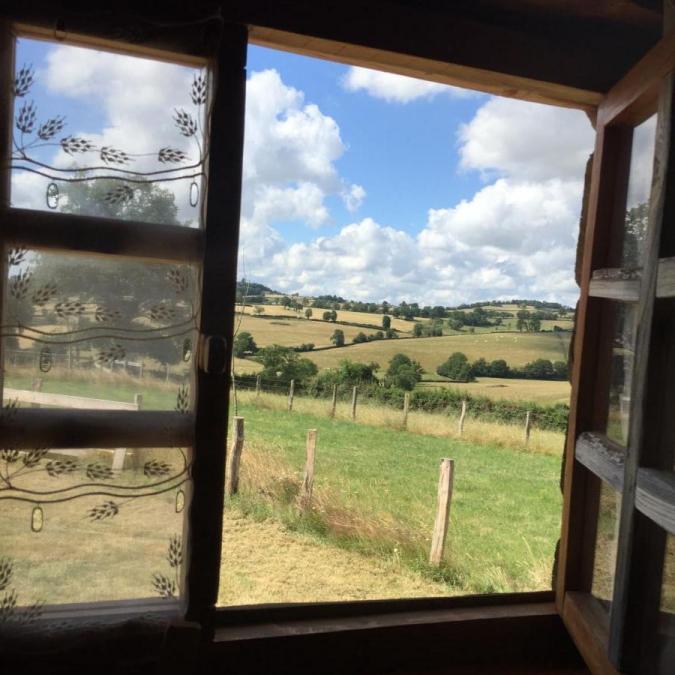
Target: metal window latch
{"type": "Point", "coordinates": [212, 354]}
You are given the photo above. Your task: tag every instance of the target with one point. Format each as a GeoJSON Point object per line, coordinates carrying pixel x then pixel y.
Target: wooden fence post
{"type": "Point", "coordinates": [167, 373]}
{"type": "Point", "coordinates": [234, 457]}
{"type": "Point", "coordinates": [37, 386]}
{"type": "Point", "coordinates": [406, 407]}
{"type": "Point", "coordinates": [291, 392]}
{"type": "Point", "coordinates": [138, 400]}
{"type": "Point", "coordinates": [308, 479]}
{"type": "Point", "coordinates": [445, 481]}
{"type": "Point", "coordinates": [140, 370]}
{"type": "Point", "coordinates": [355, 394]}
{"type": "Point", "coordinates": [333, 403]}
{"type": "Point", "coordinates": [461, 418]}
{"type": "Point", "coordinates": [528, 424]}
{"type": "Point", "coordinates": [257, 386]}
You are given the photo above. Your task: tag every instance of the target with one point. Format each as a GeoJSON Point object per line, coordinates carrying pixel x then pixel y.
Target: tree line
{"type": "Point", "coordinates": [458, 369]}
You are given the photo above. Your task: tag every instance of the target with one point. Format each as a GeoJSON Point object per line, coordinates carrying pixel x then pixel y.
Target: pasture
{"type": "Point", "coordinates": [516, 348]}
{"type": "Point", "coordinates": [540, 391]}
{"type": "Point", "coordinates": [293, 331]}
{"type": "Point", "coordinates": [342, 315]}
{"type": "Point", "coordinates": [375, 494]}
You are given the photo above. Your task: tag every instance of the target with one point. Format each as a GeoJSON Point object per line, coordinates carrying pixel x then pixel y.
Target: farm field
{"type": "Point", "coordinates": [516, 348]}
{"type": "Point", "coordinates": [539, 391]}
{"type": "Point", "coordinates": [292, 331]}
{"type": "Point", "coordinates": [342, 315]}
{"type": "Point", "coordinates": [375, 494]}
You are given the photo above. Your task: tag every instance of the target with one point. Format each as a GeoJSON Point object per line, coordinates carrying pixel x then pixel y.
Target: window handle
{"type": "Point", "coordinates": [212, 354]}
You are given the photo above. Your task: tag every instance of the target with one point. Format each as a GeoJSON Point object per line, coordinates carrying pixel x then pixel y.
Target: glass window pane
{"type": "Point", "coordinates": [107, 135]}
{"type": "Point", "coordinates": [621, 376]}
{"type": "Point", "coordinates": [665, 647]}
{"type": "Point", "coordinates": [82, 332]}
{"type": "Point", "coordinates": [91, 525]}
{"type": "Point", "coordinates": [639, 189]}
{"type": "Point", "coordinates": [607, 534]}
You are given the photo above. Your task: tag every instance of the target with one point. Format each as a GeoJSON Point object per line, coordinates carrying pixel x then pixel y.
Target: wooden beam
{"type": "Point", "coordinates": [452, 74]}
{"type": "Point", "coordinates": [634, 98]}
{"type": "Point", "coordinates": [176, 34]}
{"type": "Point", "coordinates": [655, 497]}
{"type": "Point", "coordinates": [63, 428]}
{"type": "Point", "coordinates": [102, 236]}
{"type": "Point", "coordinates": [603, 457]}
{"type": "Point", "coordinates": [615, 284]}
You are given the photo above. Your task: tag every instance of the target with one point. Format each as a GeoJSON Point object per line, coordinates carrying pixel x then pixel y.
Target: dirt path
{"type": "Point", "coordinates": [263, 562]}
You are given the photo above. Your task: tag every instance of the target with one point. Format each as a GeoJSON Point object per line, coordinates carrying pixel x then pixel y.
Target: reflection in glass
{"type": "Point", "coordinates": [639, 188]}
{"type": "Point", "coordinates": [90, 525]}
{"type": "Point", "coordinates": [604, 561]}
{"type": "Point", "coordinates": [621, 376]}
{"type": "Point", "coordinates": [666, 626]}
{"type": "Point", "coordinates": [107, 135]}
{"type": "Point", "coordinates": [102, 333]}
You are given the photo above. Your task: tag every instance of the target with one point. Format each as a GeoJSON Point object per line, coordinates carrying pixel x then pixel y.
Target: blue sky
{"type": "Point", "coordinates": [405, 154]}
{"type": "Point", "coordinates": [356, 182]}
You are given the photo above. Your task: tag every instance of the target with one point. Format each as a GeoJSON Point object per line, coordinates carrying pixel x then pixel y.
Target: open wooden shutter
{"type": "Point", "coordinates": [619, 508]}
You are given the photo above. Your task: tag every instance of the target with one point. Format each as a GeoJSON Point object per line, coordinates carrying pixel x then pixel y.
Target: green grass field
{"type": "Point", "coordinates": [516, 348]}
{"type": "Point", "coordinates": [375, 493]}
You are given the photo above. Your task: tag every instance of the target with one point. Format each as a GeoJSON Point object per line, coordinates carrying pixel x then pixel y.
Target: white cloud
{"type": "Point", "coordinates": [353, 197]}
{"type": "Point", "coordinates": [515, 237]}
{"type": "Point", "coordinates": [396, 88]}
{"type": "Point", "coordinates": [526, 141]}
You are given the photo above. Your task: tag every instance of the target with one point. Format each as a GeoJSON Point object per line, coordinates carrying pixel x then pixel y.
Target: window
{"type": "Point", "coordinates": [106, 341]}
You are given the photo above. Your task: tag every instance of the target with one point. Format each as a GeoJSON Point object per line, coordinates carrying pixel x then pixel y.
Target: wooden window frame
{"type": "Point", "coordinates": [627, 102]}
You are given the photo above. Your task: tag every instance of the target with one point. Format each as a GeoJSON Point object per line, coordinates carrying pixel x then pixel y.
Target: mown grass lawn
{"type": "Point", "coordinates": [375, 492]}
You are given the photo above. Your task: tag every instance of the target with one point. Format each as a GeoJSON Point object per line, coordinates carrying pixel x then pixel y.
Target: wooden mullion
{"type": "Point", "coordinates": [630, 594]}
{"type": "Point", "coordinates": [217, 323]}
{"type": "Point", "coordinates": [105, 236]}
{"type": "Point", "coordinates": [6, 127]}
{"type": "Point", "coordinates": [66, 428]}
{"type": "Point", "coordinates": [603, 457]}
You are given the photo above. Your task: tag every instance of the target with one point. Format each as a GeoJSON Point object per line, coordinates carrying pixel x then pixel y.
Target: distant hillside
{"type": "Point", "coordinates": [252, 291]}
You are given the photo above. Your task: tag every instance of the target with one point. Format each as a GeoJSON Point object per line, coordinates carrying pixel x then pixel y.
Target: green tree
{"type": "Point", "coordinates": [534, 325]}
{"type": "Point", "coordinates": [499, 368]}
{"type": "Point", "coordinates": [540, 369]}
{"type": "Point", "coordinates": [386, 322]}
{"type": "Point", "coordinates": [456, 368]}
{"type": "Point", "coordinates": [283, 365]}
{"type": "Point", "coordinates": [418, 330]}
{"type": "Point", "coordinates": [403, 372]}
{"type": "Point", "coordinates": [359, 338]}
{"type": "Point", "coordinates": [244, 344]}
{"type": "Point", "coordinates": [308, 313]}
{"type": "Point", "coordinates": [338, 338]}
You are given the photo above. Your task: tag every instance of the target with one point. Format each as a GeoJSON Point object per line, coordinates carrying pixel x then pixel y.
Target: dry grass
{"type": "Point", "coordinates": [423, 423]}
{"type": "Point", "coordinates": [293, 332]}
{"type": "Point", "coordinates": [342, 315]}
{"type": "Point", "coordinates": [517, 349]}
{"type": "Point", "coordinates": [539, 391]}
{"type": "Point", "coordinates": [264, 562]}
